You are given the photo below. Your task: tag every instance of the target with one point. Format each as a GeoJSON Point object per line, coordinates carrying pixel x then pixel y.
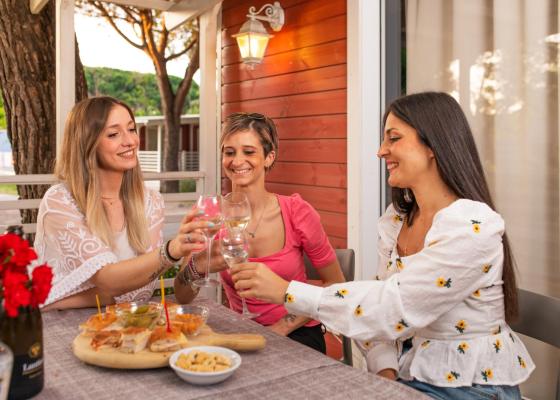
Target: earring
{"type": "Point", "coordinates": [407, 195]}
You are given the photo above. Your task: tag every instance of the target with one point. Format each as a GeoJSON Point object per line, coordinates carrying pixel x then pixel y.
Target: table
{"type": "Point", "coordinates": [283, 370]}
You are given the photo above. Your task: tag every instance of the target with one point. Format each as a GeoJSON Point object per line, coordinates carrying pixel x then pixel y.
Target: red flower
{"type": "Point", "coordinates": [16, 288]}
{"type": "Point", "coordinates": [16, 294]}
{"type": "Point", "coordinates": [41, 284]}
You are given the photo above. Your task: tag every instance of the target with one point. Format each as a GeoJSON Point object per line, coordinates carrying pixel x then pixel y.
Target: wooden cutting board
{"type": "Point", "coordinates": [113, 358]}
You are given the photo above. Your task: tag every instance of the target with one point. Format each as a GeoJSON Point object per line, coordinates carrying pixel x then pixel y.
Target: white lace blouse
{"type": "Point", "coordinates": [64, 241]}
{"type": "Point", "coordinates": [447, 297]}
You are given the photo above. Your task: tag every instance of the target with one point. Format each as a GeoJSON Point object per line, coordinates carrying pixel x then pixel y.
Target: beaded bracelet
{"type": "Point", "coordinates": [165, 258]}
{"type": "Point", "coordinates": [192, 269]}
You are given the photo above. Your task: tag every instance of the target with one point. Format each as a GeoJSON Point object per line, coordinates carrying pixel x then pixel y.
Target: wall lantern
{"type": "Point", "coordinates": [252, 38]}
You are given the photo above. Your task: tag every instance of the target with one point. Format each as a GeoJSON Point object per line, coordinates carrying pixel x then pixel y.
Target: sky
{"type": "Point", "coordinates": [101, 46]}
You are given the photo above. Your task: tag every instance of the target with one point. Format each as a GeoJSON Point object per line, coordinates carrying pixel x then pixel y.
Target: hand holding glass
{"type": "Point", "coordinates": [209, 209]}
{"type": "Point", "coordinates": [235, 250]}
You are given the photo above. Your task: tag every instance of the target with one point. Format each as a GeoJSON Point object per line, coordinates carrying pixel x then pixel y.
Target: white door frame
{"type": "Point", "coordinates": [365, 89]}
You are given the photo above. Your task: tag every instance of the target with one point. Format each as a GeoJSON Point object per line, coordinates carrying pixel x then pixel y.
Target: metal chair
{"type": "Point", "coordinates": [346, 261]}
{"type": "Point", "coordinates": [539, 318]}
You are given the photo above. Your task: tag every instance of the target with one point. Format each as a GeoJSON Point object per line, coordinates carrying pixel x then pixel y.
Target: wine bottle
{"type": "Point", "coordinates": [24, 336]}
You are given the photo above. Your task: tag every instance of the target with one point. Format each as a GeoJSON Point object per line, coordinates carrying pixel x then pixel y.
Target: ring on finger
{"type": "Point", "coordinates": [188, 237]}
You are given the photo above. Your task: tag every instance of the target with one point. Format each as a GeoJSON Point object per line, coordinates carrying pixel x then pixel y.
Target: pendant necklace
{"type": "Point", "coordinates": [252, 234]}
{"type": "Point", "coordinates": [109, 200]}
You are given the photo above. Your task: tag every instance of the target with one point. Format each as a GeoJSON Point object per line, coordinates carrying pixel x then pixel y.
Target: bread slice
{"type": "Point", "coordinates": [96, 324]}
{"type": "Point", "coordinates": [106, 339]}
{"type": "Point", "coordinates": [162, 340]}
{"type": "Point", "coordinates": [134, 339]}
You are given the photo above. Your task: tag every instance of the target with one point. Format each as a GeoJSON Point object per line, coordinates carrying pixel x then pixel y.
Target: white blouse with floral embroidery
{"type": "Point", "coordinates": [64, 241]}
{"type": "Point", "coordinates": [448, 297]}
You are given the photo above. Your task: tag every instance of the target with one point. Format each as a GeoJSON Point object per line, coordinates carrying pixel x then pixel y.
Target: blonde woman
{"type": "Point", "coordinates": [101, 228]}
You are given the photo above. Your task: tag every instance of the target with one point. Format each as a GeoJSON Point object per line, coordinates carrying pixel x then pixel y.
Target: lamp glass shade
{"type": "Point", "coordinates": [252, 46]}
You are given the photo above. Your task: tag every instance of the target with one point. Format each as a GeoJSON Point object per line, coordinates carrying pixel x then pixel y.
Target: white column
{"type": "Point", "coordinates": [65, 65]}
{"type": "Point", "coordinates": [209, 101]}
{"type": "Point", "coordinates": [364, 119]}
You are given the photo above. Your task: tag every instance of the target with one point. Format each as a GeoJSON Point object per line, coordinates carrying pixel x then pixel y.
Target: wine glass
{"type": "Point", "coordinates": [235, 250]}
{"type": "Point", "coordinates": [209, 210]}
{"type": "Point", "coordinates": [236, 210]}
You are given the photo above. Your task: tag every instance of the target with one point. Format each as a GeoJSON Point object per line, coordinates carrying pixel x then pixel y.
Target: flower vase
{"type": "Point", "coordinates": [24, 336]}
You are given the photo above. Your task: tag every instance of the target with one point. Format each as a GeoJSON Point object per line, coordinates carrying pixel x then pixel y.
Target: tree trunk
{"type": "Point", "coordinates": [171, 150]}
{"type": "Point", "coordinates": [81, 82]}
{"type": "Point", "coordinates": [27, 81]}
{"type": "Point", "coordinates": [172, 127]}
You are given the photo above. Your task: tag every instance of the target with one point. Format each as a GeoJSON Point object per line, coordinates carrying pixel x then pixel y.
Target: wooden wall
{"type": "Point", "coordinates": [301, 85]}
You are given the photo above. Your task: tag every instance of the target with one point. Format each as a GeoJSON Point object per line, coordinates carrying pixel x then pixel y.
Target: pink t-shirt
{"type": "Point", "coordinates": [304, 233]}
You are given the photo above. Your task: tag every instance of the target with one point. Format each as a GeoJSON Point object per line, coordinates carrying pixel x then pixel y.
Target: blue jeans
{"type": "Point", "coordinates": [474, 392]}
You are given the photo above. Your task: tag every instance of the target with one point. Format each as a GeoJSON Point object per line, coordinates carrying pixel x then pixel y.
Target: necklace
{"type": "Point", "coordinates": [252, 234]}
{"type": "Point", "coordinates": [110, 200]}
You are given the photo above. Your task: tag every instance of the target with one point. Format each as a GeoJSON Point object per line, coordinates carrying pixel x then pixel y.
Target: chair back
{"type": "Point", "coordinates": [539, 318]}
{"type": "Point", "coordinates": [346, 260]}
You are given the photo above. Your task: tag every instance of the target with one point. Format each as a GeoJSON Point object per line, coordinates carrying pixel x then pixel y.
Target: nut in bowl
{"type": "Point", "coordinates": [142, 315]}
{"type": "Point", "coordinates": [204, 365]}
{"type": "Point", "coordinates": [189, 318]}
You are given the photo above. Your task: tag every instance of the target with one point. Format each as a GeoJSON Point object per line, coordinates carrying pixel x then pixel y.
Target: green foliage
{"type": "Point", "coordinates": [8, 188]}
{"type": "Point", "coordinates": [139, 91]}
{"type": "Point", "coordinates": [3, 114]}
{"type": "Point", "coordinates": [186, 186]}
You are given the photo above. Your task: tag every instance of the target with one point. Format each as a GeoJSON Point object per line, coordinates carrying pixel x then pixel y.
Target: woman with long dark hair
{"type": "Point", "coordinates": [446, 276]}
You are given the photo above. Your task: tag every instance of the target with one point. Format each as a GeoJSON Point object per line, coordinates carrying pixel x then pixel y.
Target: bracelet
{"type": "Point", "coordinates": [165, 258]}
{"type": "Point", "coordinates": [192, 269]}
{"type": "Point", "coordinates": [168, 254]}
{"type": "Point", "coordinates": [186, 279]}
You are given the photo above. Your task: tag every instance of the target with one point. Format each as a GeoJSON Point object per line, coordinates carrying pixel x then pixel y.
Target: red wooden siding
{"type": "Point", "coordinates": [301, 84]}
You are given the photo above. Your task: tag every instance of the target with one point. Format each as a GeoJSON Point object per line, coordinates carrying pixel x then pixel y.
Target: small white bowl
{"type": "Point", "coordinates": [205, 378]}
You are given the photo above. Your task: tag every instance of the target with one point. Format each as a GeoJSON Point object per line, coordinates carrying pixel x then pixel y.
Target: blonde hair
{"type": "Point", "coordinates": [77, 165]}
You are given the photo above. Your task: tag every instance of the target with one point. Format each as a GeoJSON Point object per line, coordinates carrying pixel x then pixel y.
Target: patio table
{"type": "Point", "coordinates": [285, 369]}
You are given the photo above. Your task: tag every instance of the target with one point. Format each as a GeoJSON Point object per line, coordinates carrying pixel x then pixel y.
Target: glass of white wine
{"type": "Point", "coordinates": [236, 210]}
{"type": "Point", "coordinates": [209, 210]}
{"type": "Point", "coordinates": [235, 250]}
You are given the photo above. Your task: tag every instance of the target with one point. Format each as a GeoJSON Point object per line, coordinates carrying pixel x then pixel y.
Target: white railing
{"type": "Point", "coordinates": [189, 160]}
{"type": "Point", "coordinates": [149, 161]}
{"type": "Point", "coordinates": [175, 203]}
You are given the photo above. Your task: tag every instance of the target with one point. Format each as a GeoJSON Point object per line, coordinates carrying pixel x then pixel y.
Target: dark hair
{"type": "Point", "coordinates": [442, 126]}
{"type": "Point", "coordinates": [262, 125]}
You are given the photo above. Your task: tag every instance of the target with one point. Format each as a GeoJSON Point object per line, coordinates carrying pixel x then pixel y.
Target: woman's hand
{"type": "Point", "coordinates": [190, 236]}
{"type": "Point", "coordinates": [256, 280]}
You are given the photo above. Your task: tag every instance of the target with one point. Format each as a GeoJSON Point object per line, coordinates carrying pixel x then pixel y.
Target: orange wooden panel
{"type": "Point", "coordinates": [335, 224]}
{"type": "Point", "coordinates": [237, 14]}
{"type": "Point", "coordinates": [286, 40]}
{"type": "Point", "coordinates": [315, 174]}
{"type": "Point", "coordinates": [331, 102]}
{"type": "Point", "coordinates": [296, 16]}
{"type": "Point", "coordinates": [338, 243]}
{"type": "Point", "coordinates": [331, 53]}
{"type": "Point", "coordinates": [317, 127]}
{"type": "Point", "coordinates": [315, 80]}
{"type": "Point", "coordinates": [324, 150]}
{"type": "Point", "coordinates": [323, 199]}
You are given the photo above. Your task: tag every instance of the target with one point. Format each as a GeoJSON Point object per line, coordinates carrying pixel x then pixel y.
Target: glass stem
{"type": "Point", "coordinates": [244, 305]}
{"type": "Point", "coordinates": [210, 240]}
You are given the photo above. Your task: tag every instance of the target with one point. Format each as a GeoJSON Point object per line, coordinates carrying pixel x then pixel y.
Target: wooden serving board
{"type": "Point", "coordinates": [113, 358]}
